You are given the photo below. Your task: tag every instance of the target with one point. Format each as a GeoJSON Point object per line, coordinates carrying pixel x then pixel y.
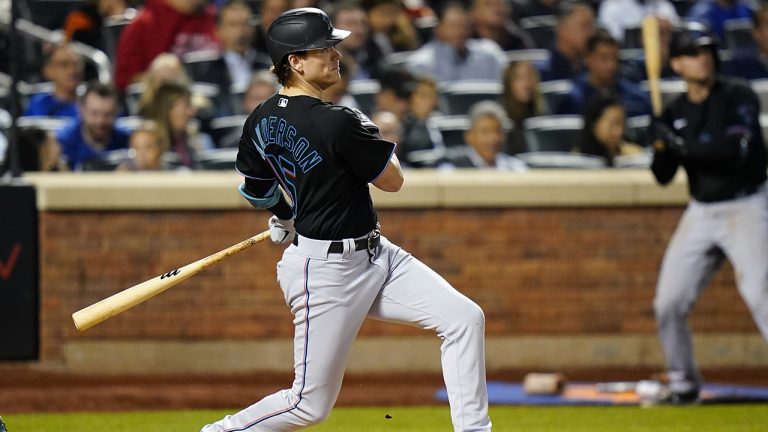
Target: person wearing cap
{"type": "Point", "coordinates": [337, 268]}
{"type": "Point", "coordinates": [713, 132]}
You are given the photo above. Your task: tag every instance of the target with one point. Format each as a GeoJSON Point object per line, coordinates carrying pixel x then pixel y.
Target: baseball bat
{"type": "Point", "coordinates": [120, 302]}
{"type": "Point", "coordinates": [652, 52]}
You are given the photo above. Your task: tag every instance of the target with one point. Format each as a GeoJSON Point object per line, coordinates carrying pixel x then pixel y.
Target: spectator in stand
{"type": "Point", "coordinates": [451, 56]}
{"type": "Point", "coordinates": [389, 126]}
{"type": "Point", "coordinates": [146, 150]}
{"type": "Point", "coordinates": [64, 68]}
{"type": "Point", "coordinates": [604, 127]}
{"type": "Point", "coordinates": [85, 22]}
{"type": "Point", "coordinates": [492, 19]}
{"type": "Point", "coordinates": [349, 15]}
{"type": "Point", "coordinates": [164, 68]}
{"type": "Point", "coordinates": [602, 78]}
{"type": "Point", "coordinates": [263, 85]}
{"type": "Point", "coordinates": [391, 31]}
{"type": "Point", "coordinates": [618, 15]}
{"type": "Point", "coordinates": [485, 140]}
{"type": "Point", "coordinates": [418, 134]}
{"type": "Point", "coordinates": [521, 99]}
{"type": "Point", "coordinates": [173, 112]}
{"type": "Point", "coordinates": [176, 26]}
{"type": "Point", "coordinates": [38, 151]}
{"type": "Point", "coordinates": [239, 59]}
{"type": "Point", "coordinates": [575, 24]}
{"type": "Point", "coordinates": [714, 14]}
{"type": "Point", "coordinates": [752, 62]}
{"type": "Point", "coordinates": [396, 88]}
{"type": "Point", "coordinates": [268, 11]}
{"type": "Point", "coordinates": [93, 133]}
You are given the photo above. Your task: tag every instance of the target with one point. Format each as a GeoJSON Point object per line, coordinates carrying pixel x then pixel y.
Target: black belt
{"type": "Point", "coordinates": [369, 243]}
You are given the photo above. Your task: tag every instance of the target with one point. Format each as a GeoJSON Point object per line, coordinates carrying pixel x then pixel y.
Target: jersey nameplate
{"type": "Point", "coordinates": [277, 131]}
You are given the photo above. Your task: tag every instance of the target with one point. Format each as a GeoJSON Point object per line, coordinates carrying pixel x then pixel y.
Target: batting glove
{"type": "Point", "coordinates": [281, 231]}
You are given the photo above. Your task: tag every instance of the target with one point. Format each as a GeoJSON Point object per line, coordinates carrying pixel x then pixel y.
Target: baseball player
{"type": "Point", "coordinates": [713, 132]}
{"type": "Point", "coordinates": [338, 269]}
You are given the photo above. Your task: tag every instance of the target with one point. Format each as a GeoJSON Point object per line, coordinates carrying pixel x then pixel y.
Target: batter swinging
{"type": "Point", "coordinates": [338, 269]}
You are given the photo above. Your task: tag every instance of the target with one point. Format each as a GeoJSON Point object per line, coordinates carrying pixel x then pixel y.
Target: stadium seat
{"type": "Point", "coordinates": [108, 162]}
{"type": "Point", "coordinates": [554, 133]}
{"type": "Point", "coordinates": [218, 159]}
{"type": "Point", "coordinates": [555, 159]}
{"type": "Point", "coordinates": [639, 160]}
{"type": "Point", "coordinates": [541, 28]}
{"type": "Point", "coordinates": [51, 124]}
{"type": "Point", "coordinates": [555, 91]}
{"type": "Point", "coordinates": [538, 57]}
{"type": "Point", "coordinates": [451, 128]}
{"type": "Point", "coordinates": [226, 131]}
{"type": "Point", "coordinates": [130, 123]}
{"type": "Point", "coordinates": [760, 86]}
{"type": "Point", "coordinates": [364, 92]}
{"type": "Point", "coordinates": [637, 130]}
{"type": "Point", "coordinates": [113, 28]}
{"type": "Point", "coordinates": [670, 89]}
{"type": "Point", "coordinates": [633, 38]}
{"type": "Point", "coordinates": [738, 34]}
{"type": "Point", "coordinates": [457, 98]}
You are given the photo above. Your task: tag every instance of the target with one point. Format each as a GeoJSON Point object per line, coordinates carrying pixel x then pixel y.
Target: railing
{"type": "Point", "coordinates": [97, 57]}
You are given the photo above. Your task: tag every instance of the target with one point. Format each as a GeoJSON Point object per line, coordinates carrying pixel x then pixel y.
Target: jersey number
{"type": "Point", "coordinates": [286, 171]}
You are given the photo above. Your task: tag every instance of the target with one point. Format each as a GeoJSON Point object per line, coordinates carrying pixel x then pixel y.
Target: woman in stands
{"type": "Point", "coordinates": [174, 113]}
{"type": "Point", "coordinates": [521, 99]}
{"type": "Point", "coordinates": [603, 133]}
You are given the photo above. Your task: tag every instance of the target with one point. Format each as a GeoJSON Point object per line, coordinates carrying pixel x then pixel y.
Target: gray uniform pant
{"type": "Point", "coordinates": [706, 235]}
{"type": "Point", "coordinates": [330, 295]}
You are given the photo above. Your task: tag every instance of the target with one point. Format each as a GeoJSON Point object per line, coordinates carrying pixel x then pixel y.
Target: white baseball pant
{"type": "Point", "coordinates": [330, 295]}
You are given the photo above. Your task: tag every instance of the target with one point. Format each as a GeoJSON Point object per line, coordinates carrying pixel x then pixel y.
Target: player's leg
{"type": "Point", "coordinates": [690, 261]}
{"type": "Point", "coordinates": [329, 301]}
{"type": "Point", "coordinates": [744, 238]}
{"type": "Point", "coordinates": [414, 294]}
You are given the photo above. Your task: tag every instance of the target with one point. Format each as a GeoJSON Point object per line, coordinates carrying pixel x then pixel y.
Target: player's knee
{"type": "Point", "coordinates": [313, 414]}
{"type": "Point", "coordinates": [666, 308]}
{"type": "Point", "coordinates": [471, 318]}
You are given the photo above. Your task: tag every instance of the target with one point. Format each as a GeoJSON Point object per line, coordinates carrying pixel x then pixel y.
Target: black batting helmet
{"type": "Point", "coordinates": [690, 41]}
{"type": "Point", "coordinates": [301, 29]}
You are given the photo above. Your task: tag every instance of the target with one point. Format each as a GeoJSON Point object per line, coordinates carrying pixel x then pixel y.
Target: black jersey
{"type": "Point", "coordinates": [724, 143]}
{"type": "Point", "coordinates": [323, 156]}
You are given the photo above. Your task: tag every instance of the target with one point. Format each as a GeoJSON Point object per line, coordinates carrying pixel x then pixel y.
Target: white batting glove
{"type": "Point", "coordinates": [281, 231]}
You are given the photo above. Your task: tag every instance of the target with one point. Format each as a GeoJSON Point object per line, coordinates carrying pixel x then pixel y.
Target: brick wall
{"type": "Point", "coordinates": [534, 271]}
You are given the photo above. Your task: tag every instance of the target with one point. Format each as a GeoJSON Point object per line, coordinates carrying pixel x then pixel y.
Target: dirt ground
{"type": "Point", "coordinates": [24, 389]}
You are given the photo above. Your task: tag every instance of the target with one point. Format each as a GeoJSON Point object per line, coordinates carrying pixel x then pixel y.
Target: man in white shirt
{"type": "Point", "coordinates": [451, 56]}
{"type": "Point", "coordinates": [618, 15]}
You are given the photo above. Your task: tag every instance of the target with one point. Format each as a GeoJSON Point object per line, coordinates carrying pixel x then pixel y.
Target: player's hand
{"type": "Point", "coordinates": [664, 138]}
{"type": "Point", "coordinates": [281, 231]}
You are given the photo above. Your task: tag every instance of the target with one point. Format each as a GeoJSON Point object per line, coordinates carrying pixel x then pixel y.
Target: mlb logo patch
{"type": "Point", "coordinates": [282, 102]}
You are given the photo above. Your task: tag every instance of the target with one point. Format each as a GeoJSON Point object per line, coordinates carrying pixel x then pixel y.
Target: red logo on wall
{"type": "Point", "coordinates": [6, 267]}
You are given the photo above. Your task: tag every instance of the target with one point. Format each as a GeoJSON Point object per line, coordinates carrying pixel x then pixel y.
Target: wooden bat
{"type": "Point", "coordinates": [101, 311]}
{"type": "Point", "coordinates": [652, 51]}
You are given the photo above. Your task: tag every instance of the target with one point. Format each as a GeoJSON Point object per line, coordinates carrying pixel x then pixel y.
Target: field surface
{"type": "Point", "coordinates": [716, 418]}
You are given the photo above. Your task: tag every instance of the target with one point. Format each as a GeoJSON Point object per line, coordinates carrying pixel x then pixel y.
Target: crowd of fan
{"type": "Point", "coordinates": [182, 68]}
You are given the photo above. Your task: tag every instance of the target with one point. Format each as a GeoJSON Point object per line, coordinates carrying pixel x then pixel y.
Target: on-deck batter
{"type": "Point", "coordinates": [713, 131]}
{"type": "Point", "coordinates": [338, 269]}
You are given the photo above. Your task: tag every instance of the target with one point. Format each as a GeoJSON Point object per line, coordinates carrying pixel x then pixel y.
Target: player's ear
{"type": "Point", "coordinates": [674, 63]}
{"type": "Point", "coordinates": [295, 62]}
